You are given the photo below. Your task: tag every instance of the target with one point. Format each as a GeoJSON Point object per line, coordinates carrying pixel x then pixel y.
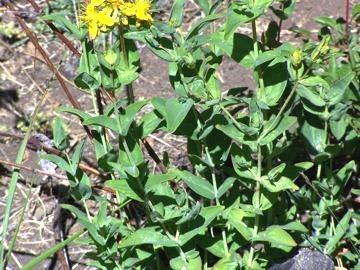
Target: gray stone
{"type": "Point", "coordinates": [306, 259]}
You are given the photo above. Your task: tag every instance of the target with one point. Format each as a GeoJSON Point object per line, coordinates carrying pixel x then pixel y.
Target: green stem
{"type": "Point", "coordinates": [257, 71]}
{"type": "Point", "coordinates": [93, 97]}
{"type": "Point", "coordinates": [257, 217]}
{"type": "Point", "coordinates": [276, 120]}
{"type": "Point", "coordinates": [319, 168]}
{"type": "Point", "coordinates": [87, 210]}
{"type": "Point", "coordinates": [232, 119]}
{"type": "Point", "coordinates": [129, 87]}
{"type": "Point", "coordinates": [213, 176]}
{"type": "Point", "coordinates": [147, 200]}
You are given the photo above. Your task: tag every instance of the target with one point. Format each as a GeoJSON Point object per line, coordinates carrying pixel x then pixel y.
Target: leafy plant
{"type": "Point", "coordinates": [261, 159]}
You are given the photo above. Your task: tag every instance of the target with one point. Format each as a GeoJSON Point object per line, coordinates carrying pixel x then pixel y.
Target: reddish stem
{"type": "Point", "coordinates": [56, 30]}
{"type": "Point", "coordinates": [35, 41]}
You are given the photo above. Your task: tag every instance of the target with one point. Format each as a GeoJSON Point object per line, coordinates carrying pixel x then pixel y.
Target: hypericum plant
{"type": "Point", "coordinates": [273, 168]}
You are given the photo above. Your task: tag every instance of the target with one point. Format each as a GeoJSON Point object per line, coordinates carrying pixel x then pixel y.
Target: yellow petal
{"type": "Point", "coordinates": [129, 9]}
{"type": "Point", "coordinates": [93, 29]}
{"type": "Point", "coordinates": [105, 19]}
{"type": "Point", "coordinates": [97, 2]}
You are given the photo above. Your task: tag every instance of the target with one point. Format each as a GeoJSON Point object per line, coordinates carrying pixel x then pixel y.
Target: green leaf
{"type": "Point", "coordinates": [156, 179]}
{"type": "Point", "coordinates": [83, 220]}
{"type": "Point", "coordinates": [236, 46]}
{"type": "Point", "coordinates": [234, 133]}
{"type": "Point", "coordinates": [128, 187]}
{"type": "Point", "coordinates": [235, 219]}
{"type": "Point", "coordinates": [356, 10]}
{"type": "Point", "coordinates": [59, 161]}
{"type": "Point", "coordinates": [310, 96]}
{"type": "Point", "coordinates": [158, 50]}
{"type": "Point", "coordinates": [103, 121]}
{"type": "Point", "coordinates": [315, 81]}
{"type": "Point", "coordinates": [86, 81]}
{"type": "Point", "coordinates": [201, 223]}
{"type": "Point", "coordinates": [60, 136]}
{"type": "Point", "coordinates": [228, 183]}
{"type": "Point", "coordinates": [229, 262]}
{"type": "Point", "coordinates": [76, 157]}
{"type": "Point", "coordinates": [148, 235]}
{"type": "Point", "coordinates": [276, 236]}
{"type": "Point", "coordinates": [85, 187]}
{"type": "Point", "coordinates": [315, 137]}
{"type": "Point", "coordinates": [240, 13]}
{"type": "Point", "coordinates": [285, 123]}
{"type": "Point", "coordinates": [235, 18]}
{"type": "Point", "coordinates": [338, 88]}
{"type": "Point", "coordinates": [202, 24]}
{"type": "Point", "coordinates": [127, 117]}
{"type": "Point", "coordinates": [286, 11]}
{"type": "Point", "coordinates": [266, 200]}
{"type": "Point", "coordinates": [326, 21]}
{"type": "Point", "coordinates": [283, 183]}
{"type": "Point", "coordinates": [197, 184]}
{"type": "Point", "coordinates": [275, 81]}
{"type": "Point", "coordinates": [177, 13]}
{"type": "Point", "coordinates": [338, 128]}
{"type": "Point", "coordinates": [148, 124]}
{"type": "Point", "coordinates": [287, 178]}
{"type": "Point", "coordinates": [340, 231]}
{"type": "Point", "coordinates": [79, 113]}
{"type": "Point", "coordinates": [342, 177]}
{"type": "Point", "coordinates": [137, 35]}
{"type": "Point", "coordinates": [159, 104]}
{"type": "Point", "coordinates": [205, 5]}
{"type": "Point", "coordinates": [266, 57]}
{"type": "Point", "coordinates": [175, 112]}
{"type": "Point", "coordinates": [295, 226]}
{"type": "Point", "coordinates": [191, 214]}
{"type": "Point", "coordinates": [127, 75]}
{"type": "Point", "coordinates": [190, 260]}
{"type": "Point", "coordinates": [259, 6]}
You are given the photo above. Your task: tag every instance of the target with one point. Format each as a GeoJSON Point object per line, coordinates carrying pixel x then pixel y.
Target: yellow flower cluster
{"type": "Point", "coordinates": [101, 15]}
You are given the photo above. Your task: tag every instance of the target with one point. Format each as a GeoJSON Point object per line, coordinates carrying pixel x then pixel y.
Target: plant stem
{"type": "Point", "coordinates": [257, 217]}
{"type": "Point", "coordinates": [319, 168]}
{"type": "Point", "coordinates": [213, 176]}
{"type": "Point", "coordinates": [232, 119]}
{"type": "Point", "coordinates": [86, 210]}
{"type": "Point", "coordinates": [275, 121]}
{"type": "Point", "coordinates": [92, 92]}
{"type": "Point", "coordinates": [257, 71]}
{"type": "Point", "coordinates": [129, 87]}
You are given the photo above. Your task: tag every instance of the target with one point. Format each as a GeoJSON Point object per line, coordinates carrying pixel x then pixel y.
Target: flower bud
{"type": "Point", "coordinates": [296, 57]}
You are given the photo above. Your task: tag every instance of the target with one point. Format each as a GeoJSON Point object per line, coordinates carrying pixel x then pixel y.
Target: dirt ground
{"type": "Point", "coordinates": [23, 79]}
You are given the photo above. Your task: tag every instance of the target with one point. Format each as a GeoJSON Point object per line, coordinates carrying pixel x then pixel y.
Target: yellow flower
{"type": "Point", "coordinates": [128, 9]}
{"type": "Point", "coordinates": [98, 17]}
{"type": "Point", "coordinates": [104, 17]}
{"type": "Point", "coordinates": [142, 8]}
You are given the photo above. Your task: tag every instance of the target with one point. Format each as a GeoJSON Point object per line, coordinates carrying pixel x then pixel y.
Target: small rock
{"type": "Point", "coordinates": [306, 259]}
